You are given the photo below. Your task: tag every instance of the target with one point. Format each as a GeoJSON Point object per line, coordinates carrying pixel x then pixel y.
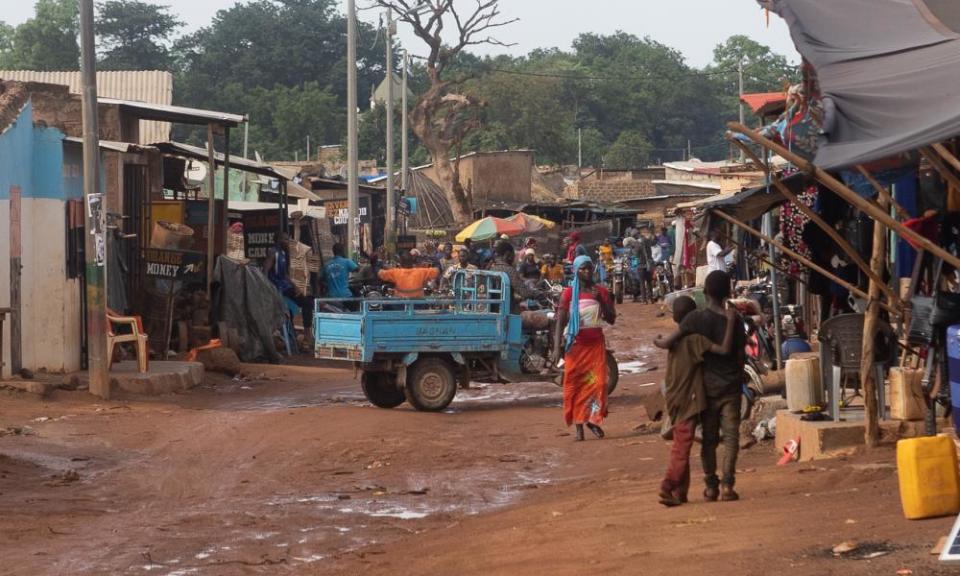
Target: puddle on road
{"type": "Point", "coordinates": [634, 367]}
{"type": "Point", "coordinates": [530, 393]}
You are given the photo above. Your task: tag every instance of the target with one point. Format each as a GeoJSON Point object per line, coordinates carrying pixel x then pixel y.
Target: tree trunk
{"type": "Point", "coordinates": [430, 124]}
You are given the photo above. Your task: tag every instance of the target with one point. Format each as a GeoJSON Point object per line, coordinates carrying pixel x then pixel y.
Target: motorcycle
{"type": "Point", "coordinates": [661, 282]}
{"type": "Point", "coordinates": [618, 278]}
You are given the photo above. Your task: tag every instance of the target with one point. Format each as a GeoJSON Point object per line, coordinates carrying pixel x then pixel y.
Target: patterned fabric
{"type": "Point", "coordinates": [585, 383]}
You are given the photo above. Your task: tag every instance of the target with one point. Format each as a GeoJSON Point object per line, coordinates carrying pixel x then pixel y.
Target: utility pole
{"type": "Point", "coordinates": [689, 150]}
{"type": "Point", "coordinates": [391, 232]}
{"type": "Point", "coordinates": [404, 143]}
{"type": "Point", "coordinates": [579, 152]}
{"type": "Point", "coordinates": [308, 147]}
{"type": "Point", "coordinates": [353, 179]}
{"type": "Point", "coordinates": [95, 272]}
{"type": "Point", "coordinates": [743, 158]}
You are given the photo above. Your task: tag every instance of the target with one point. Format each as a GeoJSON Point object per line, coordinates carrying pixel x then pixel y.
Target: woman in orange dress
{"type": "Point", "coordinates": [583, 309]}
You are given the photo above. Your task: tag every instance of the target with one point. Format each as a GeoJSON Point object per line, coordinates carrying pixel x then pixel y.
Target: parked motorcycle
{"type": "Point", "coordinates": [618, 278]}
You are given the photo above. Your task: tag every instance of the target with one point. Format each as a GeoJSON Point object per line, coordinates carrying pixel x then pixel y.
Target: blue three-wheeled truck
{"type": "Point", "coordinates": [421, 351]}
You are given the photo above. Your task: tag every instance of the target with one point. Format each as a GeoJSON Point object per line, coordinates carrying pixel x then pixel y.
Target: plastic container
{"type": "Point", "coordinates": [929, 483]}
{"type": "Point", "coordinates": [953, 372]}
{"type": "Point", "coordinates": [906, 394]}
{"type": "Point", "coordinates": [803, 383]}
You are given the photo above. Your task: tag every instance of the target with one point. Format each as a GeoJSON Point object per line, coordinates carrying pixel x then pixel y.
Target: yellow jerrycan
{"type": "Point", "coordinates": [929, 480]}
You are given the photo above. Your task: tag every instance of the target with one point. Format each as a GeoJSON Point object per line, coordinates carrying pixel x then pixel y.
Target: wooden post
{"type": "Point", "coordinates": [826, 227]}
{"type": "Point", "coordinates": [226, 189]}
{"type": "Point", "coordinates": [16, 295]}
{"type": "Point", "coordinates": [873, 413]}
{"type": "Point", "coordinates": [802, 259]}
{"type": "Point", "coordinates": [849, 195]}
{"type": "Point", "coordinates": [939, 165]}
{"type": "Point", "coordinates": [211, 210]}
{"type": "Point", "coordinates": [882, 193]}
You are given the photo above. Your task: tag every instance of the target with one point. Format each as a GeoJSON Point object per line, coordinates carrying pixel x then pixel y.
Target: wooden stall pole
{"type": "Point", "coordinates": [803, 260]}
{"type": "Point", "coordinates": [827, 228]}
{"type": "Point", "coordinates": [849, 195]}
{"type": "Point", "coordinates": [873, 413]}
{"type": "Point", "coordinates": [211, 210]}
{"type": "Point", "coordinates": [883, 194]}
{"type": "Point", "coordinates": [225, 226]}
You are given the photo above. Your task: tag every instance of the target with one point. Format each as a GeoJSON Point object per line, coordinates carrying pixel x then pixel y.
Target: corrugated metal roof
{"type": "Point", "coordinates": [122, 147]}
{"type": "Point", "coordinates": [154, 87]}
{"type": "Point", "coordinates": [176, 113]}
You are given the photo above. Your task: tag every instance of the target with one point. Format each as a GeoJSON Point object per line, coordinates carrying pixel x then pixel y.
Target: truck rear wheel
{"type": "Point", "coordinates": [431, 384]}
{"type": "Point", "coordinates": [381, 390]}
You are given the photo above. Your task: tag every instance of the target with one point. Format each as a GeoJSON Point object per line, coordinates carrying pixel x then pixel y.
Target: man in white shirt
{"type": "Point", "coordinates": [716, 253]}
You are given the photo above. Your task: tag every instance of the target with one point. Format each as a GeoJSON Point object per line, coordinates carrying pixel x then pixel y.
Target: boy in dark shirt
{"type": "Point", "coordinates": [685, 394]}
{"type": "Point", "coordinates": [722, 382]}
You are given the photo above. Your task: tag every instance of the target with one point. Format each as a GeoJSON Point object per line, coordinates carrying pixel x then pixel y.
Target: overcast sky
{"type": "Point", "coordinates": [694, 26]}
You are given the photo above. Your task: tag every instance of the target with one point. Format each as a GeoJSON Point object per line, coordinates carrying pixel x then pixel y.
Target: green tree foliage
{"type": "Point", "coordinates": [48, 41]}
{"type": "Point", "coordinates": [135, 35]}
{"type": "Point", "coordinates": [763, 70]}
{"type": "Point", "coordinates": [630, 151]}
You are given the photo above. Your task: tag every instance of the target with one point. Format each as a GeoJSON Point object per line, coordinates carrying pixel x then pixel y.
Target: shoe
{"type": "Point", "coordinates": [579, 436]}
{"type": "Point", "coordinates": [669, 499]}
{"type": "Point", "coordinates": [597, 431]}
{"type": "Point", "coordinates": [728, 494]}
{"type": "Point", "coordinates": [711, 493]}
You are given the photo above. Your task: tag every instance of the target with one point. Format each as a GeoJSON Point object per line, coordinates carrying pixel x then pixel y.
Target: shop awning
{"type": "Point", "coordinates": [889, 73]}
{"type": "Point", "coordinates": [750, 203]}
{"type": "Point", "coordinates": [240, 163]}
{"type": "Point", "coordinates": [764, 104]}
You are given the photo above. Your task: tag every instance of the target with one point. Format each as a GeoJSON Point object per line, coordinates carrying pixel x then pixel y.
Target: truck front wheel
{"type": "Point", "coordinates": [381, 390]}
{"type": "Point", "coordinates": [431, 384]}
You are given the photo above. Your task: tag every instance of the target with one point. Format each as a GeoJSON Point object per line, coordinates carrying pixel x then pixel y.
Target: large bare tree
{"type": "Point", "coordinates": [445, 114]}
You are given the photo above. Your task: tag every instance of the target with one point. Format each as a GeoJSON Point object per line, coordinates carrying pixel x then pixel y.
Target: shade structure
{"type": "Point", "coordinates": [889, 72]}
{"type": "Point", "coordinates": [531, 223]}
{"type": "Point", "coordinates": [489, 227]}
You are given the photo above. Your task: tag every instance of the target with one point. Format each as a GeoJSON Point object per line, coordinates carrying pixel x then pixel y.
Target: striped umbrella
{"type": "Point", "coordinates": [489, 227]}
{"type": "Point", "coordinates": [531, 223]}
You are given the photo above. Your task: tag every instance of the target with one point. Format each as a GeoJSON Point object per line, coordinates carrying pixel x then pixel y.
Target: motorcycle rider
{"type": "Point", "coordinates": [505, 255]}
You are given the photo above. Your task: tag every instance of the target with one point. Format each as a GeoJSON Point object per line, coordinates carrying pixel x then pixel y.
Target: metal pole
{"type": "Point", "coordinates": [95, 236]}
{"type": "Point", "coordinates": [404, 143]}
{"type": "Point", "coordinates": [740, 100]}
{"type": "Point", "coordinates": [391, 232]}
{"type": "Point", "coordinates": [579, 152]}
{"type": "Point", "coordinates": [226, 187]}
{"type": "Point", "coordinates": [353, 179]}
{"type": "Point", "coordinates": [211, 210]}
{"type": "Point", "coordinates": [774, 273]}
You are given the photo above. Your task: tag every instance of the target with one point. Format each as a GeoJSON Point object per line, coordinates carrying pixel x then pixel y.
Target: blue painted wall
{"type": "Point", "coordinates": [16, 154]}
{"type": "Point", "coordinates": [47, 164]}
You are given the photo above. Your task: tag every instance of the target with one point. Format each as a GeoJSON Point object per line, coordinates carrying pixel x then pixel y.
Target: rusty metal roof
{"type": "Point", "coordinates": [154, 86]}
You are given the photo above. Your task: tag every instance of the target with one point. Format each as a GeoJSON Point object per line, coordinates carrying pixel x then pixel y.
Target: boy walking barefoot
{"type": "Point", "coordinates": [685, 395]}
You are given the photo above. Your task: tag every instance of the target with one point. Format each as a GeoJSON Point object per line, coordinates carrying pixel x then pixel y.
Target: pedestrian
{"type": "Point", "coordinates": [336, 274]}
{"type": "Point", "coordinates": [447, 258]}
{"type": "Point", "coordinates": [574, 247]}
{"type": "Point", "coordinates": [716, 253]}
{"type": "Point", "coordinates": [583, 309]}
{"type": "Point", "coordinates": [529, 269]}
{"type": "Point", "coordinates": [506, 256]}
{"type": "Point", "coordinates": [529, 245]}
{"type": "Point", "coordinates": [409, 280]}
{"type": "Point", "coordinates": [685, 396]}
{"type": "Point", "coordinates": [722, 382]}
{"type": "Point", "coordinates": [551, 270]}
{"type": "Point", "coordinates": [645, 264]}
{"type": "Point", "coordinates": [462, 262]}
{"type": "Point", "coordinates": [277, 267]}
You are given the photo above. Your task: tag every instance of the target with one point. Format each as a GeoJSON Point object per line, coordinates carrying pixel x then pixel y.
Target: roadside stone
{"type": "Point", "coordinates": [42, 389]}
{"type": "Point", "coordinates": [223, 360]}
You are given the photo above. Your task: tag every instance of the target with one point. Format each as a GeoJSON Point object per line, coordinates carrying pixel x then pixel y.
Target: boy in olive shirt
{"type": "Point", "coordinates": [685, 394]}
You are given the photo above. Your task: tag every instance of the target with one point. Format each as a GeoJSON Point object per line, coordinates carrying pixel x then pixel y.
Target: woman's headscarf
{"type": "Point", "coordinates": [573, 327]}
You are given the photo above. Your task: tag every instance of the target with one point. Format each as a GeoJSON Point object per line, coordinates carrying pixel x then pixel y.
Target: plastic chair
{"type": "Point", "coordinates": [841, 349]}
{"type": "Point", "coordinates": [137, 336]}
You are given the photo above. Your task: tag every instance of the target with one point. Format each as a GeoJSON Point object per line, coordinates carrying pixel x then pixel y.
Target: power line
{"type": "Point", "coordinates": [611, 78]}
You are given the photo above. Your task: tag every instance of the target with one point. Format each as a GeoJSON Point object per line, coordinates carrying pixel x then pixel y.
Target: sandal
{"type": "Point", "coordinates": [597, 431]}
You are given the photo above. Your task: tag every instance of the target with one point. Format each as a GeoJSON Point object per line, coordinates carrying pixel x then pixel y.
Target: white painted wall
{"type": "Point", "coordinates": [51, 303]}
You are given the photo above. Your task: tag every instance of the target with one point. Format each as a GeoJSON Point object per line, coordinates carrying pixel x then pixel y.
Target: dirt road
{"type": "Point", "coordinates": [288, 471]}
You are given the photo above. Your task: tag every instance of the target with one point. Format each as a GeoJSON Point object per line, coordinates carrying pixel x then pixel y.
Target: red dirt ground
{"type": "Point", "coordinates": [289, 471]}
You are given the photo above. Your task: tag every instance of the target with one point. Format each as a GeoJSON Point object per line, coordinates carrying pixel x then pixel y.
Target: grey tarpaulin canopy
{"type": "Point", "coordinates": [889, 73]}
{"type": "Point", "coordinates": [750, 203]}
